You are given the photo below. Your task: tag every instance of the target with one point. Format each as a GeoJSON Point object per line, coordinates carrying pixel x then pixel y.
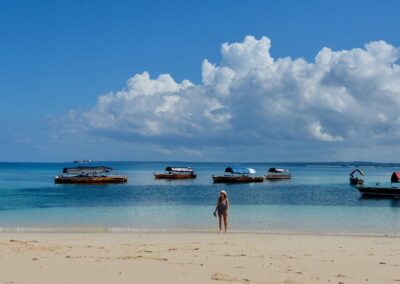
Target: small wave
{"type": "Point", "coordinates": [121, 230]}
{"type": "Point", "coordinates": [53, 230]}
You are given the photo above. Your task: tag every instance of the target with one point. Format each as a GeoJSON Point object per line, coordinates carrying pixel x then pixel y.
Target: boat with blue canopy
{"type": "Point", "coordinates": [176, 173]}
{"type": "Point", "coordinates": [238, 175]}
{"type": "Point", "coordinates": [278, 174]}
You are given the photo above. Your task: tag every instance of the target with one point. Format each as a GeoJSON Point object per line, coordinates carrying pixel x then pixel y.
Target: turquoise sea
{"type": "Point", "coordinates": [317, 200]}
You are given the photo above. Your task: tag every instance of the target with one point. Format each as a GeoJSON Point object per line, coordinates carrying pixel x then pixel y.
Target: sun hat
{"type": "Point", "coordinates": [224, 192]}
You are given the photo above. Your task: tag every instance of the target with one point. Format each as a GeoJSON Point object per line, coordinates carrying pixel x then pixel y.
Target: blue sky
{"type": "Point", "coordinates": [60, 57]}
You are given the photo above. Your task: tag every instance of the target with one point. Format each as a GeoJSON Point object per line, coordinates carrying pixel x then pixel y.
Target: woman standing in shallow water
{"type": "Point", "coordinates": [222, 209]}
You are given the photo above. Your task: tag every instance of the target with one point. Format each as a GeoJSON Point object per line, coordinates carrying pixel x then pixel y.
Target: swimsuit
{"type": "Point", "coordinates": [222, 207]}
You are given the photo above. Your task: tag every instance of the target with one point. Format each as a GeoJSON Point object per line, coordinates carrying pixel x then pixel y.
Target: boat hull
{"type": "Point", "coordinates": [236, 179]}
{"type": "Point", "coordinates": [356, 181]}
{"type": "Point", "coordinates": [91, 180]}
{"type": "Point", "coordinates": [175, 176]}
{"type": "Point", "coordinates": [277, 177]}
{"type": "Point", "coordinates": [379, 192]}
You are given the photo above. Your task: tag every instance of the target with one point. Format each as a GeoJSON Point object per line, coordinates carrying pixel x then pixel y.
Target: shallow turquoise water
{"type": "Point", "coordinates": [317, 199]}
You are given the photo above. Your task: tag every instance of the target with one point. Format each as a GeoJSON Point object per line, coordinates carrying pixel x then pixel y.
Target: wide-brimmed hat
{"type": "Point", "coordinates": [224, 192]}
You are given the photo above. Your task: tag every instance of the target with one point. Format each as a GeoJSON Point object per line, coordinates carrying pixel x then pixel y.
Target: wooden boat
{"type": "Point", "coordinates": [356, 180]}
{"type": "Point", "coordinates": [89, 175]}
{"type": "Point", "coordinates": [177, 173]}
{"type": "Point", "coordinates": [278, 174]}
{"type": "Point", "coordinates": [238, 175]}
{"type": "Point", "coordinates": [236, 179]}
{"type": "Point", "coordinates": [379, 191]}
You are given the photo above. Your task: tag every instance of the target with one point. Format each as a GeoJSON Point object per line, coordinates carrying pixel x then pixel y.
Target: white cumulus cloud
{"type": "Point", "coordinates": [340, 99]}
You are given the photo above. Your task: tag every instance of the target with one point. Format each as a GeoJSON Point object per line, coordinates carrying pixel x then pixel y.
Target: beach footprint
{"type": "Point", "coordinates": [220, 276]}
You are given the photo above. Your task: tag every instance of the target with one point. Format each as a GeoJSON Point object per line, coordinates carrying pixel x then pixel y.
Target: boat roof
{"type": "Point", "coordinates": [240, 171]}
{"type": "Point", "coordinates": [179, 169]}
{"type": "Point", "coordinates": [357, 171]}
{"type": "Point", "coordinates": [277, 170]}
{"type": "Point", "coordinates": [77, 170]}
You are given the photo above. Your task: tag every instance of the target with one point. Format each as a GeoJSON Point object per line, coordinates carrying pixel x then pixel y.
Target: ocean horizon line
{"type": "Point", "coordinates": [338, 163]}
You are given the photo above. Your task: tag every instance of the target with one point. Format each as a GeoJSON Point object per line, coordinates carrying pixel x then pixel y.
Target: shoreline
{"type": "Point", "coordinates": [110, 230]}
{"type": "Point", "coordinates": [194, 257]}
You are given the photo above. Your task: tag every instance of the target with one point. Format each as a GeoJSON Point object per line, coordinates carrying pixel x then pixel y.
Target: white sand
{"type": "Point", "coordinates": [197, 258]}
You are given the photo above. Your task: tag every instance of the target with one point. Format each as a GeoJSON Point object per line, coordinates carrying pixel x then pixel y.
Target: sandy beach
{"type": "Point", "coordinates": [197, 258]}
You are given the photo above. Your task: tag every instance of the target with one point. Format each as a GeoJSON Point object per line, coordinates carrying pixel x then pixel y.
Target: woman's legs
{"type": "Point", "coordinates": [220, 221]}
{"type": "Point", "coordinates": [225, 221]}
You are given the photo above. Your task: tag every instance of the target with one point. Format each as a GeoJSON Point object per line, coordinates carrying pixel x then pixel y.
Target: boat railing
{"type": "Point", "coordinates": [279, 173]}
{"type": "Point", "coordinates": [89, 174]}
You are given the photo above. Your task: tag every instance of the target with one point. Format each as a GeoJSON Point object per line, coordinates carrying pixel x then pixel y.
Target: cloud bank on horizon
{"type": "Point", "coordinates": [343, 104]}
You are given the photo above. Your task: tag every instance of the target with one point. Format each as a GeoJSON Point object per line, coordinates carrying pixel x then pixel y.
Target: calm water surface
{"type": "Point", "coordinates": [318, 199]}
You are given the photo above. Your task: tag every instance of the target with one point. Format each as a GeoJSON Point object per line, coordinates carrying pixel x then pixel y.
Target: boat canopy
{"type": "Point", "coordinates": [357, 171]}
{"type": "Point", "coordinates": [179, 169]}
{"type": "Point", "coordinates": [79, 170]}
{"type": "Point", "coordinates": [395, 177]}
{"type": "Point", "coordinates": [276, 170]}
{"type": "Point", "coordinates": [240, 171]}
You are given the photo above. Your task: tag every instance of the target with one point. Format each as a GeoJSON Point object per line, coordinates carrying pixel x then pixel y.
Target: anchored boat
{"type": "Point", "coordinates": [379, 191]}
{"type": "Point", "coordinates": [356, 179]}
{"type": "Point", "coordinates": [278, 174]}
{"type": "Point", "coordinates": [89, 175]}
{"type": "Point", "coordinates": [238, 175]}
{"type": "Point", "coordinates": [177, 173]}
